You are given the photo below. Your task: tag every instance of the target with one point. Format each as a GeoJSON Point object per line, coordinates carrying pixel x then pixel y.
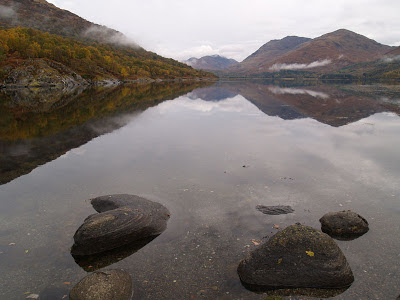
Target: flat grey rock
{"type": "Point", "coordinates": [122, 219]}
{"type": "Point", "coordinates": [297, 257]}
{"type": "Point", "coordinates": [275, 210]}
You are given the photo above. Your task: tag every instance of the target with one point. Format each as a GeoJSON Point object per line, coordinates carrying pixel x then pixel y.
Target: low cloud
{"type": "Point", "coordinates": [391, 59]}
{"type": "Point", "coordinates": [107, 35]}
{"type": "Point", "coordinates": [296, 66]}
{"type": "Point", "coordinates": [279, 91]}
{"type": "Point", "coordinates": [7, 12]}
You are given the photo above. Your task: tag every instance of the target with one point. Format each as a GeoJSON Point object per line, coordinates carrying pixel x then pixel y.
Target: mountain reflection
{"type": "Point", "coordinates": [39, 125]}
{"type": "Point", "coordinates": [332, 105]}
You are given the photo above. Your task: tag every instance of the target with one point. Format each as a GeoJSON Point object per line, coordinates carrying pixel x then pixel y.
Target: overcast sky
{"type": "Point", "coordinates": [235, 28]}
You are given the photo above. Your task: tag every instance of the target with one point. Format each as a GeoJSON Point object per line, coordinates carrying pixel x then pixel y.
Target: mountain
{"type": "Point", "coordinates": [73, 50]}
{"type": "Point", "coordinates": [270, 51]}
{"type": "Point", "coordinates": [394, 52]}
{"type": "Point", "coordinates": [332, 51]}
{"type": "Point", "coordinates": [211, 62]}
{"type": "Point", "coordinates": [387, 67]}
{"type": "Point", "coordinates": [327, 53]}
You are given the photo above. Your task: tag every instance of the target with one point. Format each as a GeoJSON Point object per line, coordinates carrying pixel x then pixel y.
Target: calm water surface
{"type": "Point", "coordinates": [210, 155]}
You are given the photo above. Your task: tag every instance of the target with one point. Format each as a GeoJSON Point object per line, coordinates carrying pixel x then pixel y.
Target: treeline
{"type": "Point", "coordinates": [92, 60]}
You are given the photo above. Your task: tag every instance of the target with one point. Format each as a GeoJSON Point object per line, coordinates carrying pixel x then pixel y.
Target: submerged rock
{"type": "Point", "coordinates": [297, 257]}
{"type": "Point", "coordinates": [103, 285]}
{"type": "Point", "coordinates": [275, 210]}
{"type": "Point", "coordinates": [344, 225]}
{"type": "Point", "coordinates": [122, 219]}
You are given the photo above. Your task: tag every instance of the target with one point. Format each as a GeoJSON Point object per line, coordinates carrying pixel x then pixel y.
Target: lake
{"type": "Point", "coordinates": [209, 152]}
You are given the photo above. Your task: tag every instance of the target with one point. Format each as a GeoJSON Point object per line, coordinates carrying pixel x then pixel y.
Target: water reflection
{"type": "Point", "coordinates": [91, 263]}
{"type": "Point", "coordinates": [37, 126]}
{"type": "Point", "coordinates": [332, 105]}
{"type": "Point", "coordinates": [188, 154]}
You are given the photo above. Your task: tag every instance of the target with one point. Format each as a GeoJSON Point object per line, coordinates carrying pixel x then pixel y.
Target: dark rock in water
{"type": "Point", "coordinates": [103, 285]}
{"type": "Point", "coordinates": [94, 262]}
{"type": "Point", "coordinates": [275, 210]}
{"type": "Point", "coordinates": [297, 257]}
{"type": "Point", "coordinates": [122, 219]}
{"type": "Point", "coordinates": [344, 225]}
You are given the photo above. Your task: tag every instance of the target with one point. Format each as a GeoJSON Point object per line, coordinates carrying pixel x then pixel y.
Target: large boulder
{"type": "Point", "coordinates": [104, 285]}
{"type": "Point", "coordinates": [122, 219]}
{"type": "Point", "coordinates": [297, 257]}
{"type": "Point", "coordinates": [344, 225]}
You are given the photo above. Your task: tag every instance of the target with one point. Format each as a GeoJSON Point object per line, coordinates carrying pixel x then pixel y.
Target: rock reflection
{"type": "Point", "coordinates": [308, 292]}
{"type": "Point", "coordinates": [39, 99]}
{"type": "Point", "coordinates": [91, 263]}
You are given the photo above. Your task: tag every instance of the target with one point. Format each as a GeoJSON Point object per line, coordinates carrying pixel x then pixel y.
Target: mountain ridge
{"type": "Point", "coordinates": [325, 54]}
{"type": "Point", "coordinates": [210, 62]}
{"type": "Point", "coordinates": [268, 52]}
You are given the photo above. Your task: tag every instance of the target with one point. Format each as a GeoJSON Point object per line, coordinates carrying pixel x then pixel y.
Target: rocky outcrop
{"type": "Point", "coordinates": [41, 73]}
{"type": "Point", "coordinates": [122, 219]}
{"type": "Point", "coordinates": [103, 285]}
{"type": "Point", "coordinates": [297, 257]}
{"type": "Point", "coordinates": [344, 225]}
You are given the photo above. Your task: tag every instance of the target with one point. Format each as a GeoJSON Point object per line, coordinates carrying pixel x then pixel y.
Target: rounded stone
{"type": "Point", "coordinates": [296, 257]}
{"type": "Point", "coordinates": [103, 285]}
{"type": "Point", "coordinates": [121, 219]}
{"type": "Point", "coordinates": [344, 225]}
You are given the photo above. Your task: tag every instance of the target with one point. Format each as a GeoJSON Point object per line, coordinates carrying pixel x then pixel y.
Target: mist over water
{"type": "Point", "coordinates": [210, 155]}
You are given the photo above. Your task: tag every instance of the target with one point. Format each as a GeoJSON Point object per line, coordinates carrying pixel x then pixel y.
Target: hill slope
{"type": "Point", "coordinates": [44, 16]}
{"type": "Point", "coordinates": [94, 52]}
{"type": "Point", "coordinates": [270, 51]}
{"type": "Point", "coordinates": [211, 62]}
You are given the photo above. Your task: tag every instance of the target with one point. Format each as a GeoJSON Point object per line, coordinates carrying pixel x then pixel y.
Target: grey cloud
{"type": "Point", "coordinates": [7, 12]}
{"type": "Point", "coordinates": [104, 34]}
{"type": "Point", "coordinates": [391, 59]}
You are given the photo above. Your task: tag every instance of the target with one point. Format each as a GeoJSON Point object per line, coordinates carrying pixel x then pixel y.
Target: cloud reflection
{"type": "Point", "coordinates": [293, 91]}
{"type": "Point", "coordinates": [235, 104]}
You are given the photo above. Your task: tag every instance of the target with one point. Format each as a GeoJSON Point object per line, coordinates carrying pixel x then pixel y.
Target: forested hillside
{"type": "Point", "coordinates": [91, 60]}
